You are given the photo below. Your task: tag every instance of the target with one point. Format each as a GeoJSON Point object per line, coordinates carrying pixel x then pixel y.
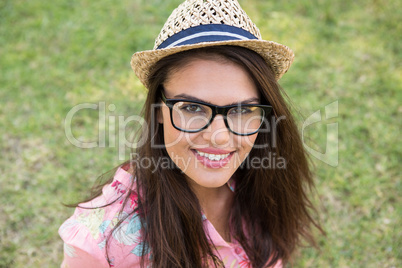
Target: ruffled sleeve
{"type": "Point", "coordinates": [88, 232]}
{"type": "Point", "coordinates": [80, 247]}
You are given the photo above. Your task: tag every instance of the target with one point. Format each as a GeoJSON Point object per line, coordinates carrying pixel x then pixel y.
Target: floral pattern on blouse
{"type": "Point", "coordinates": [87, 231]}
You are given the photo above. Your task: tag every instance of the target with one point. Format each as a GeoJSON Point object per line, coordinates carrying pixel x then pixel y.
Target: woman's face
{"type": "Point", "coordinates": [220, 83]}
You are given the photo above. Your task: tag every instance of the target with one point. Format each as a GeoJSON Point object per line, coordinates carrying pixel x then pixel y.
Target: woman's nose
{"type": "Point", "coordinates": [217, 132]}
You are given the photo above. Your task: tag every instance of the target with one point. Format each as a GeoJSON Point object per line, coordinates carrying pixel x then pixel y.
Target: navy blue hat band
{"type": "Point", "coordinates": [207, 33]}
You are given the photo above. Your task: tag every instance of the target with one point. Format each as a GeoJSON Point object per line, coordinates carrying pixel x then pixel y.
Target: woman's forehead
{"type": "Point", "coordinates": [217, 82]}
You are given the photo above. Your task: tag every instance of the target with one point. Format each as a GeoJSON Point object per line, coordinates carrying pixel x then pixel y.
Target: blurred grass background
{"type": "Point", "coordinates": [57, 54]}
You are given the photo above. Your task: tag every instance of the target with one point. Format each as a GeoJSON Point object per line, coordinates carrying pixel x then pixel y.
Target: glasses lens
{"type": "Point", "coordinates": [191, 116]}
{"type": "Point", "coordinates": [245, 119]}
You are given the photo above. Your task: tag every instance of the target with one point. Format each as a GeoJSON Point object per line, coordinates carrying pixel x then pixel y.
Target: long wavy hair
{"type": "Point", "coordinates": [271, 213]}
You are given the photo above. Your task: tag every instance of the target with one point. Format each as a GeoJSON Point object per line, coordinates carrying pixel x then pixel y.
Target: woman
{"type": "Point", "coordinates": [206, 197]}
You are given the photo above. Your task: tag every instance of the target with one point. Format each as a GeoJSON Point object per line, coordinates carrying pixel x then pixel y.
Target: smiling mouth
{"type": "Point", "coordinates": [213, 157]}
{"type": "Point", "coordinates": [214, 161]}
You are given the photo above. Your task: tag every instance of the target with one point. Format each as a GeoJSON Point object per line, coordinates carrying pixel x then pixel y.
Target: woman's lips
{"type": "Point", "coordinates": [213, 160]}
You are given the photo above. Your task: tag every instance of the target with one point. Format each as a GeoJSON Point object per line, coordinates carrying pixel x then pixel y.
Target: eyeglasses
{"type": "Point", "coordinates": [193, 116]}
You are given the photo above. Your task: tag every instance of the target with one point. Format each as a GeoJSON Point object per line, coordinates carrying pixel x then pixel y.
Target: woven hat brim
{"type": "Point", "coordinates": [278, 56]}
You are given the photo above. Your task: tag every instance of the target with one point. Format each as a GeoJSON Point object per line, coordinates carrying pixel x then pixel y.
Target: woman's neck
{"type": "Point", "coordinates": [216, 204]}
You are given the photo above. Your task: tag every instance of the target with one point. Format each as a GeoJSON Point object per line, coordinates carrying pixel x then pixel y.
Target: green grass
{"type": "Point", "coordinates": [58, 54]}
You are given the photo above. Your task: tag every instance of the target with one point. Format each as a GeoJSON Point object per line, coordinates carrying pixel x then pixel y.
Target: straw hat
{"type": "Point", "coordinates": [204, 23]}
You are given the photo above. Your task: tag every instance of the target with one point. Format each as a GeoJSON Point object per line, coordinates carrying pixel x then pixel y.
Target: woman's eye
{"type": "Point", "coordinates": [192, 108]}
{"type": "Point", "coordinates": [240, 110]}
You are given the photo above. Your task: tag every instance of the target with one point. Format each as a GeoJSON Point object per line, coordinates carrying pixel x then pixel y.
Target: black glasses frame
{"type": "Point", "coordinates": [223, 110]}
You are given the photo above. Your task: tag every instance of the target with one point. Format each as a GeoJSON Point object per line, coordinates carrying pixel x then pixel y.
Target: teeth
{"type": "Point", "coordinates": [213, 157]}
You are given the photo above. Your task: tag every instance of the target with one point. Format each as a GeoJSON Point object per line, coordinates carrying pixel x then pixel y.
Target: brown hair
{"type": "Point", "coordinates": [271, 212]}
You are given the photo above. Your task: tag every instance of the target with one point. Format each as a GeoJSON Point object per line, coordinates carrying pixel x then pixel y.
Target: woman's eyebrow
{"type": "Point", "coordinates": [189, 97]}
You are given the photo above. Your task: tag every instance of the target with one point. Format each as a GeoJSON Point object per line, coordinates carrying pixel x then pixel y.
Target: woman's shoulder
{"type": "Point", "coordinates": [87, 231]}
{"type": "Point", "coordinates": [122, 184]}
{"type": "Point", "coordinates": [110, 204]}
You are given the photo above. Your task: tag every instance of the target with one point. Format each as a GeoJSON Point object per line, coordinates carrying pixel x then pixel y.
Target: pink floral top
{"type": "Point", "coordinates": [85, 233]}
